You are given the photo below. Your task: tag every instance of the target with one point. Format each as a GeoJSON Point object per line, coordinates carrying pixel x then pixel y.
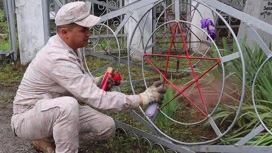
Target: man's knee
{"type": "Point", "coordinates": [69, 106]}
{"type": "Point", "coordinates": [108, 128]}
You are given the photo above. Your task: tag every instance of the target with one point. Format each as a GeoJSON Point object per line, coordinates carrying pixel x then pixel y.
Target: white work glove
{"type": "Point", "coordinates": [153, 94]}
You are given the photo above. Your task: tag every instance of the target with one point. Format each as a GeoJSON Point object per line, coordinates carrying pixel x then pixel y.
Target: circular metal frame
{"type": "Point", "coordinates": [242, 88]}
{"type": "Point", "coordinates": [253, 95]}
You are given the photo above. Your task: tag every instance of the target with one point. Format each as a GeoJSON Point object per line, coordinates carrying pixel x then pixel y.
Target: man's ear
{"type": "Point", "coordinates": [64, 32]}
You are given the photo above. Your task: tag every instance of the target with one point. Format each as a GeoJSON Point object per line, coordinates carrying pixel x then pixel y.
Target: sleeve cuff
{"type": "Point", "coordinates": [136, 101]}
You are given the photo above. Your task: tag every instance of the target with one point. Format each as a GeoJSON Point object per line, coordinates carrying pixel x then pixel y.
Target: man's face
{"type": "Point", "coordinates": [77, 36]}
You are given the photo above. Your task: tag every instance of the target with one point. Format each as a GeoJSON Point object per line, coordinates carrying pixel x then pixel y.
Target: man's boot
{"type": "Point", "coordinates": [44, 146]}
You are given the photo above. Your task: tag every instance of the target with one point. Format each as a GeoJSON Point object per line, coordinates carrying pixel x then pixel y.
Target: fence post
{"type": "Point", "coordinates": [46, 19]}
{"type": "Point", "coordinates": [12, 33]}
{"type": "Point", "coordinates": [30, 25]}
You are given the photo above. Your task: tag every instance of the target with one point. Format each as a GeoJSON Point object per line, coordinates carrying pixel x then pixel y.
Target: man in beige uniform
{"type": "Point", "coordinates": [46, 103]}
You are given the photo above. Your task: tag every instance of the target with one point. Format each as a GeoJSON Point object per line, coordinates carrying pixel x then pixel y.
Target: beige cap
{"type": "Point", "coordinates": [76, 12]}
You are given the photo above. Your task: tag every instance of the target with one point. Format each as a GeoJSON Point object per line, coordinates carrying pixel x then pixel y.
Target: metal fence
{"type": "Point", "coordinates": [232, 21]}
{"type": "Point", "coordinates": [101, 8]}
{"type": "Point", "coordinates": [10, 15]}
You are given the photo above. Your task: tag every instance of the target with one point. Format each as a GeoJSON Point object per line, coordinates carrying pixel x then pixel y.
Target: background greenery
{"type": "Point", "coordinates": [4, 37]}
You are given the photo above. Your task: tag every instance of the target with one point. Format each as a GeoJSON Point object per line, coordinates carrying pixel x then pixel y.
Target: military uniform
{"type": "Point", "coordinates": [46, 102]}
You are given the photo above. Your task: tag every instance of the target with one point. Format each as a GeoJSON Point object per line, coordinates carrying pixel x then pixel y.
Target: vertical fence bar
{"type": "Point", "coordinates": [11, 25]}
{"type": "Point", "coordinates": [57, 5]}
{"type": "Point", "coordinates": [154, 16]}
{"type": "Point", "coordinates": [46, 19]}
{"type": "Point", "coordinates": [177, 10]}
{"type": "Point", "coordinates": [5, 8]}
{"type": "Point", "coordinates": [188, 18]}
{"type": "Point", "coordinates": [13, 5]}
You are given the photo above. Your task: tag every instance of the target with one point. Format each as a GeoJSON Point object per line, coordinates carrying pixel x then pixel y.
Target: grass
{"type": "Point", "coordinates": [169, 109]}
{"type": "Point", "coordinates": [10, 77]}
{"type": "Point", "coordinates": [4, 38]}
{"type": "Point", "coordinates": [11, 74]}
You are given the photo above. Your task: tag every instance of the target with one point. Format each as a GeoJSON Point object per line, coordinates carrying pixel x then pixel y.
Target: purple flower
{"type": "Point", "coordinates": [212, 33]}
{"type": "Point", "coordinates": [205, 23]}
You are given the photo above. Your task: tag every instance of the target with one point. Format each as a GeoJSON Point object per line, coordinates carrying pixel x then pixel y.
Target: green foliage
{"type": "Point", "coordinates": [2, 16]}
{"type": "Point", "coordinates": [4, 45]}
{"type": "Point", "coordinates": [248, 120]}
{"type": "Point", "coordinates": [4, 37]}
{"type": "Point", "coordinates": [169, 109]}
{"type": "Point", "coordinates": [10, 75]}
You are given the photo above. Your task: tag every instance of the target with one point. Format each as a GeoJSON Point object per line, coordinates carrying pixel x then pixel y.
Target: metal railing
{"type": "Point", "coordinates": [237, 4]}
{"type": "Point", "coordinates": [221, 29]}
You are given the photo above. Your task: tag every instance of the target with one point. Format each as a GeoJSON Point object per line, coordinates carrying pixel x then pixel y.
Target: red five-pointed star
{"type": "Point", "coordinates": [189, 58]}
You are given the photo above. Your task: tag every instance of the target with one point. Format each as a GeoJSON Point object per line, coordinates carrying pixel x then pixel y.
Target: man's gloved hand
{"type": "Point", "coordinates": [111, 83]}
{"type": "Point", "coordinates": [98, 81]}
{"type": "Point", "coordinates": [153, 93]}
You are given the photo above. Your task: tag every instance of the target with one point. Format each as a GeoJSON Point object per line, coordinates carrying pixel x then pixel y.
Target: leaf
{"type": "Point", "coordinates": [225, 45]}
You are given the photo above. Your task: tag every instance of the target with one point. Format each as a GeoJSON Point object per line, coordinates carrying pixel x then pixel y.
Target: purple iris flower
{"type": "Point", "coordinates": [212, 33]}
{"type": "Point", "coordinates": [206, 23]}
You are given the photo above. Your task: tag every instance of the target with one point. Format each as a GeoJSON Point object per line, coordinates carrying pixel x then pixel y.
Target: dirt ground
{"type": "Point", "coordinates": [10, 143]}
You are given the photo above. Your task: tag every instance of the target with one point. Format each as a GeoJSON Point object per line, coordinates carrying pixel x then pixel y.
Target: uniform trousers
{"type": "Point", "coordinates": [65, 120]}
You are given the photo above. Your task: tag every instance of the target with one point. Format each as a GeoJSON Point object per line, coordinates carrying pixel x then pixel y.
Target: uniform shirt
{"type": "Point", "coordinates": [57, 71]}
